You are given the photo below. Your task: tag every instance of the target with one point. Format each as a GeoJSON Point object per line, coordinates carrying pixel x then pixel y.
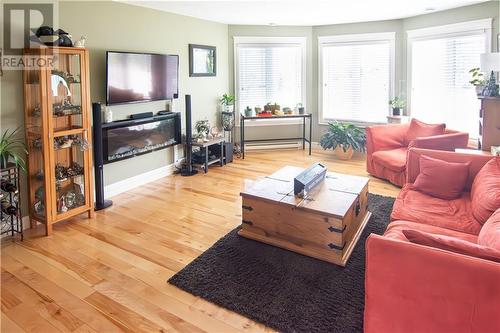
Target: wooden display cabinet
{"type": "Point", "coordinates": [58, 134]}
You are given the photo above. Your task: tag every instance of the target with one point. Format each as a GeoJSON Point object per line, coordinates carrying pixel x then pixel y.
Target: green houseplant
{"type": "Point", "coordinates": [202, 128]}
{"type": "Point", "coordinates": [477, 80]}
{"type": "Point", "coordinates": [397, 105]}
{"type": "Point", "coordinates": [344, 139]}
{"type": "Point", "coordinates": [227, 101]}
{"type": "Point", "coordinates": [12, 147]}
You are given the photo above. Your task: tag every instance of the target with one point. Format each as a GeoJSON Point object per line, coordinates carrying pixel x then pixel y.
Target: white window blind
{"type": "Point", "coordinates": [269, 73]}
{"type": "Point", "coordinates": [356, 80]}
{"type": "Point", "coordinates": [440, 88]}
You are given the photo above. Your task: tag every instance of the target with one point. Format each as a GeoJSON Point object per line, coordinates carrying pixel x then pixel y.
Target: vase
{"type": "Point", "coordinates": [479, 90]}
{"type": "Point", "coordinates": [343, 155]}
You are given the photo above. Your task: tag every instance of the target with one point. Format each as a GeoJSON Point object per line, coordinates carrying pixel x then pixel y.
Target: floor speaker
{"type": "Point", "coordinates": [188, 169]}
{"type": "Point", "coordinates": [100, 202]}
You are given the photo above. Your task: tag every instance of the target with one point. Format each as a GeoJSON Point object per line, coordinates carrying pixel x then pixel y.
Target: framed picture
{"type": "Point", "coordinates": [202, 60]}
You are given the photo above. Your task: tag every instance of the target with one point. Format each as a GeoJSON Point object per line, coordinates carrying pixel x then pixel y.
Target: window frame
{"type": "Point", "coordinates": [442, 31]}
{"type": "Point", "coordinates": [269, 41]}
{"type": "Point", "coordinates": [353, 39]}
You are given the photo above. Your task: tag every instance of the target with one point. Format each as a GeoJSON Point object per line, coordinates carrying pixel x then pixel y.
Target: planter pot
{"type": "Point", "coordinates": [396, 111]}
{"type": "Point", "coordinates": [248, 112]}
{"type": "Point", "coordinates": [302, 110]}
{"type": "Point", "coordinates": [228, 108]}
{"type": "Point", "coordinates": [343, 155]}
{"type": "Point", "coordinates": [479, 90]}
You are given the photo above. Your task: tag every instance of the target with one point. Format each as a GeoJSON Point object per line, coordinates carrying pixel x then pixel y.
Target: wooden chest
{"type": "Point", "coordinates": [325, 225]}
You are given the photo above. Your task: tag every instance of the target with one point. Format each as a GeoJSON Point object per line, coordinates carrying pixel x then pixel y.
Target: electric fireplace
{"type": "Point", "coordinates": [129, 138]}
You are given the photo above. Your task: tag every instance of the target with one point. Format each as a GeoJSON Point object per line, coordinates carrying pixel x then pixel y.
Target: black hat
{"type": "Point", "coordinates": [44, 31]}
{"type": "Point", "coordinates": [60, 32]}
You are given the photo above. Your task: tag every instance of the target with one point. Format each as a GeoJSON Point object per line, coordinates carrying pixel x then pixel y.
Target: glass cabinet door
{"type": "Point", "coordinates": [35, 126]}
{"type": "Point", "coordinates": [69, 172]}
{"type": "Point", "coordinates": [65, 89]}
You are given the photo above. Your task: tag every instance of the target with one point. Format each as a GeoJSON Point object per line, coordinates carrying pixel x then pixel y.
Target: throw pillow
{"type": "Point", "coordinates": [485, 191]}
{"type": "Point", "coordinates": [452, 244]}
{"type": "Point", "coordinates": [441, 179]}
{"type": "Point", "coordinates": [490, 232]}
{"type": "Point", "coordinates": [420, 129]}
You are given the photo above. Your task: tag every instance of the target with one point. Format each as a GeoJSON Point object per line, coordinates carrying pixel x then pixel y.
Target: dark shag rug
{"type": "Point", "coordinates": [284, 290]}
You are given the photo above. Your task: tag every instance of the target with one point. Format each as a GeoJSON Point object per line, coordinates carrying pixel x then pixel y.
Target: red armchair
{"type": "Point", "coordinates": [417, 288]}
{"type": "Point", "coordinates": [387, 146]}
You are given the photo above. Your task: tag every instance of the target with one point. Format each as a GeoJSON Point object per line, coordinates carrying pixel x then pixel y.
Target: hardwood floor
{"type": "Point", "coordinates": [109, 274]}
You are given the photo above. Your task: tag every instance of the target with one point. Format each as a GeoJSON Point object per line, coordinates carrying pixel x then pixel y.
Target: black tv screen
{"type": "Point", "coordinates": [140, 77]}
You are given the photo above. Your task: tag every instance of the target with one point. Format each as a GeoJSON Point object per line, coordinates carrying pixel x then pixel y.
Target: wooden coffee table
{"type": "Point", "coordinates": [325, 225]}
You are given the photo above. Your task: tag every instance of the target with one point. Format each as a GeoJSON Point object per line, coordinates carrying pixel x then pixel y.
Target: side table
{"type": "Point", "coordinates": [205, 147]}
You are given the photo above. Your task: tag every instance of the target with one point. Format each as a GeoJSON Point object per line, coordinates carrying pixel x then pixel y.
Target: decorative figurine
{"type": "Point", "coordinates": [80, 42]}
{"type": "Point", "coordinates": [60, 172]}
{"type": "Point", "coordinates": [61, 205]}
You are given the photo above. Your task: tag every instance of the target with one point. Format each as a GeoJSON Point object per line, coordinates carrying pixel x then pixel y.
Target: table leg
{"type": "Point", "coordinates": [221, 154]}
{"type": "Point", "coordinates": [310, 132]}
{"type": "Point", "coordinates": [242, 134]}
{"type": "Point", "coordinates": [206, 159]}
{"type": "Point", "coordinates": [303, 133]}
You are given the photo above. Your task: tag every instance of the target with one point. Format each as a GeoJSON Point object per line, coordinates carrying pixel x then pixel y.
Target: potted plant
{"type": "Point", "coordinates": [397, 104]}
{"type": "Point", "coordinates": [12, 147]}
{"type": "Point", "coordinates": [202, 128]}
{"type": "Point", "coordinates": [477, 80]}
{"type": "Point", "coordinates": [227, 102]}
{"type": "Point", "coordinates": [344, 139]}
{"type": "Point", "coordinates": [248, 112]}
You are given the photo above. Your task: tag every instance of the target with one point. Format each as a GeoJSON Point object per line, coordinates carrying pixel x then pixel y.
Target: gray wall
{"type": "Point", "coordinates": [474, 12]}
{"type": "Point", "coordinates": [115, 26]}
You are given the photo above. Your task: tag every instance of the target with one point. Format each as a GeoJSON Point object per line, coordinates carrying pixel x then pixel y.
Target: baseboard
{"type": "Point", "coordinates": [136, 181]}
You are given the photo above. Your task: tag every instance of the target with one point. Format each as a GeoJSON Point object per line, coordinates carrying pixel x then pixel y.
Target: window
{"type": "Point", "coordinates": [356, 77]}
{"type": "Point", "coordinates": [439, 64]}
{"type": "Point", "coordinates": [269, 70]}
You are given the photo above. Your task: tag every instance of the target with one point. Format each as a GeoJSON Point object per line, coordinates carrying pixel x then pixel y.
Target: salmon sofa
{"type": "Point", "coordinates": [387, 146]}
{"type": "Point", "coordinates": [412, 287]}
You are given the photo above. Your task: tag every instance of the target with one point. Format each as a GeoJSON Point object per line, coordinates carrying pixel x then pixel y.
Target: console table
{"type": "Point", "coordinates": [243, 118]}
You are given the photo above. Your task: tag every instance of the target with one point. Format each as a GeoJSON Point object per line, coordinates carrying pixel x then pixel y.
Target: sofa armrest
{"type": "Point", "coordinates": [413, 162]}
{"type": "Point", "coordinates": [448, 142]}
{"type": "Point", "coordinates": [415, 288]}
{"type": "Point", "coordinates": [385, 137]}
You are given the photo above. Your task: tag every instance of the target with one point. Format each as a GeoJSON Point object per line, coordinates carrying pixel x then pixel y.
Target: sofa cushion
{"type": "Point", "coordinates": [420, 129]}
{"type": "Point", "coordinates": [395, 231]}
{"type": "Point", "coordinates": [490, 232]}
{"type": "Point", "coordinates": [434, 178]}
{"type": "Point", "coordinates": [394, 159]}
{"type": "Point", "coordinates": [456, 214]}
{"type": "Point", "coordinates": [485, 191]}
{"type": "Point", "coordinates": [452, 244]}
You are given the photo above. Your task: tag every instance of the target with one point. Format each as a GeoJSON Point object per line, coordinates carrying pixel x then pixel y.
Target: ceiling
{"type": "Point", "coordinates": [302, 12]}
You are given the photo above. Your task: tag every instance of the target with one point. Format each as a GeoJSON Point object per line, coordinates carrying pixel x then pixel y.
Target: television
{"type": "Point", "coordinates": [140, 77]}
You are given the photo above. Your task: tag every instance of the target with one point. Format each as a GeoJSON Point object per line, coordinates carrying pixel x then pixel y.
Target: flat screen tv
{"type": "Point", "coordinates": [140, 77]}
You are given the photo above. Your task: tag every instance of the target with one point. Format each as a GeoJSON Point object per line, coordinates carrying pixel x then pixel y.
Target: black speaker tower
{"type": "Point", "coordinates": [100, 202]}
{"type": "Point", "coordinates": [187, 169]}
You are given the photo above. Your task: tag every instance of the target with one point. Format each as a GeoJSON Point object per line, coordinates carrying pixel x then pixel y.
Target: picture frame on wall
{"type": "Point", "coordinates": [202, 60]}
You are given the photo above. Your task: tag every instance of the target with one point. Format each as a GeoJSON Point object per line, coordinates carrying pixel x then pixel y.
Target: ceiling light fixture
{"type": "Point", "coordinates": [429, 9]}
{"type": "Point", "coordinates": [272, 24]}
